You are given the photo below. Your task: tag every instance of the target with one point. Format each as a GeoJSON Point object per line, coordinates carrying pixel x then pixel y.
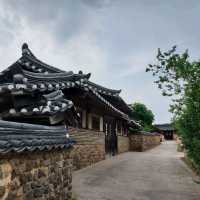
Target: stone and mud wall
{"type": "Point", "coordinates": [89, 148]}
{"type": "Point", "coordinates": [48, 174]}
{"type": "Point", "coordinates": [36, 175]}
{"type": "Point", "coordinates": [143, 142]}
{"type": "Point", "coordinates": [123, 144]}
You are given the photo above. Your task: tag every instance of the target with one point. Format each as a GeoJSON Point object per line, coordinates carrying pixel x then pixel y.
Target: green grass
{"type": "Point", "coordinates": [197, 182]}
{"type": "Point", "coordinates": [192, 166]}
{"type": "Point", "coordinates": [72, 198]}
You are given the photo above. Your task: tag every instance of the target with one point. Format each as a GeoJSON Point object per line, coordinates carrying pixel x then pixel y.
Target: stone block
{"type": "Point", "coordinates": [42, 172]}
{"type": "Point", "coordinates": [11, 195]}
{"type": "Point", "coordinates": [28, 195]}
{"type": "Point", "coordinates": [15, 184]}
{"type": "Point", "coordinates": [2, 191]}
{"type": "Point", "coordinates": [1, 173]}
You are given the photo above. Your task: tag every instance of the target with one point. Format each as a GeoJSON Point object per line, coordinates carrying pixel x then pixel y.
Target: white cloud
{"type": "Point", "coordinates": [113, 40]}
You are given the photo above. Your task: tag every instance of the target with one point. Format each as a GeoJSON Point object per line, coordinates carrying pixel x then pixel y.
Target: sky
{"type": "Point", "coordinates": [115, 40]}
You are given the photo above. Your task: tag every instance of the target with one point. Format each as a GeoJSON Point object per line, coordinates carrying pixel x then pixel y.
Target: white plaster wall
{"type": "Point", "coordinates": [90, 121]}
{"type": "Point", "coordinates": [101, 124]}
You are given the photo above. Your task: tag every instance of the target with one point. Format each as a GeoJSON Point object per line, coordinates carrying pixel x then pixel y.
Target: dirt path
{"type": "Point", "coordinates": [158, 174]}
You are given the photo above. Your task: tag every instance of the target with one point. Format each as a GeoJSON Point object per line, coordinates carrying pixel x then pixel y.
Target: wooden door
{"type": "Point", "coordinates": [110, 136]}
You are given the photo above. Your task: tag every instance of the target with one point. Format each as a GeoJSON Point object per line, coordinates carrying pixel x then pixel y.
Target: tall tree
{"type": "Point", "coordinates": [179, 77]}
{"type": "Point", "coordinates": [142, 114]}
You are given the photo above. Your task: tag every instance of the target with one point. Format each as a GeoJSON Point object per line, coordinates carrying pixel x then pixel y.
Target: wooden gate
{"type": "Point", "coordinates": [110, 136]}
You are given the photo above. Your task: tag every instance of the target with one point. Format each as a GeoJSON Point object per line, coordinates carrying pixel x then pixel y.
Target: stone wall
{"type": "Point", "coordinates": [89, 148]}
{"type": "Point", "coordinates": [38, 175]}
{"type": "Point", "coordinates": [143, 142]}
{"type": "Point", "coordinates": [123, 144]}
{"type": "Point", "coordinates": [175, 136]}
{"type": "Point", "coordinates": [84, 155]}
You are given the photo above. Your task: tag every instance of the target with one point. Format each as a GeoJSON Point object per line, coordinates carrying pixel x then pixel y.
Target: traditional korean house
{"type": "Point", "coordinates": [167, 130]}
{"type": "Point", "coordinates": [32, 91]}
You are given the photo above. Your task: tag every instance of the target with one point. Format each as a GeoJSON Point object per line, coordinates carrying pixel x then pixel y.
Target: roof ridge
{"type": "Point", "coordinates": [62, 74]}
{"type": "Point", "coordinates": [104, 88]}
{"type": "Point", "coordinates": [28, 54]}
{"type": "Point", "coordinates": [27, 51]}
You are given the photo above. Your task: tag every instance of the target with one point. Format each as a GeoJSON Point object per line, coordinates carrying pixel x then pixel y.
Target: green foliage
{"type": "Point", "coordinates": [179, 78]}
{"type": "Point", "coordinates": [72, 198]}
{"type": "Point", "coordinates": [142, 114]}
{"type": "Point", "coordinates": [148, 128]}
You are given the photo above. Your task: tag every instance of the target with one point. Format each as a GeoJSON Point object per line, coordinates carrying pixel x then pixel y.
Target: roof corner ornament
{"type": "Point", "coordinates": [25, 49]}
{"type": "Point", "coordinates": [25, 46]}
{"type": "Point", "coordinates": [88, 75]}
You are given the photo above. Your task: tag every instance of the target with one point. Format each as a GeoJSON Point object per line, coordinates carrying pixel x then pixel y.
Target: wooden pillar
{"type": "Point", "coordinates": [84, 119]}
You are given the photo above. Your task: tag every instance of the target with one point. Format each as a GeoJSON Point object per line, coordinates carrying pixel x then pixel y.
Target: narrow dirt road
{"type": "Point", "coordinates": [158, 174]}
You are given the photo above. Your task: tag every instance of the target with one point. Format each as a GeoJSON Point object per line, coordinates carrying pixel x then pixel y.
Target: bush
{"type": "Point", "coordinates": [143, 115]}
{"type": "Point", "coordinates": [179, 78]}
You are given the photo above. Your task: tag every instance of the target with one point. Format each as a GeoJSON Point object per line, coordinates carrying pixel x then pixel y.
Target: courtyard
{"type": "Point", "coordinates": [152, 175]}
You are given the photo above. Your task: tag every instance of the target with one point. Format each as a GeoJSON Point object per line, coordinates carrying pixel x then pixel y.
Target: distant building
{"type": "Point", "coordinates": [167, 130]}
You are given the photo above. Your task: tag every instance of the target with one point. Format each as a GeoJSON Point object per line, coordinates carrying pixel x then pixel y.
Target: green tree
{"type": "Point", "coordinates": [179, 77]}
{"type": "Point", "coordinates": [142, 114]}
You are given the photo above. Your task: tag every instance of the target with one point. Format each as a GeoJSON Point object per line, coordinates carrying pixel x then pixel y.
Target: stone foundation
{"type": "Point", "coordinates": [143, 142]}
{"type": "Point", "coordinates": [123, 144]}
{"type": "Point", "coordinates": [89, 148]}
{"type": "Point", "coordinates": [38, 175]}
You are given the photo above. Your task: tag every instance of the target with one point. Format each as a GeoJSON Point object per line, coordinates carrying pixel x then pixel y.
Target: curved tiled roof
{"type": "Point", "coordinates": [29, 75]}
{"type": "Point", "coordinates": [27, 55]}
{"type": "Point", "coordinates": [36, 71]}
{"type": "Point", "coordinates": [165, 127]}
{"type": "Point", "coordinates": [103, 90]}
{"type": "Point", "coordinates": [50, 105]}
{"type": "Point", "coordinates": [58, 76]}
{"type": "Point", "coordinates": [21, 137]}
{"type": "Point", "coordinates": [43, 70]}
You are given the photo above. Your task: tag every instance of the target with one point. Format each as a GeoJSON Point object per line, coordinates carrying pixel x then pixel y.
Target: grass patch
{"type": "Point", "coordinates": [73, 197]}
{"type": "Point", "coordinates": [197, 182]}
{"type": "Point", "coordinates": [192, 166]}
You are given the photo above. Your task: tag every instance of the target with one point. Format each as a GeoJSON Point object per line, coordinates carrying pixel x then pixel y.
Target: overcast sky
{"type": "Point", "coordinates": [113, 39]}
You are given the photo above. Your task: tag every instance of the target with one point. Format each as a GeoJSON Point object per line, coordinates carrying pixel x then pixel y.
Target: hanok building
{"type": "Point", "coordinates": [34, 92]}
{"type": "Point", "coordinates": [167, 130]}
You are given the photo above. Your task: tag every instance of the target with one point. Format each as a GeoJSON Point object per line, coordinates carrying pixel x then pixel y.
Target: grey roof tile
{"type": "Point", "coordinates": [20, 137]}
